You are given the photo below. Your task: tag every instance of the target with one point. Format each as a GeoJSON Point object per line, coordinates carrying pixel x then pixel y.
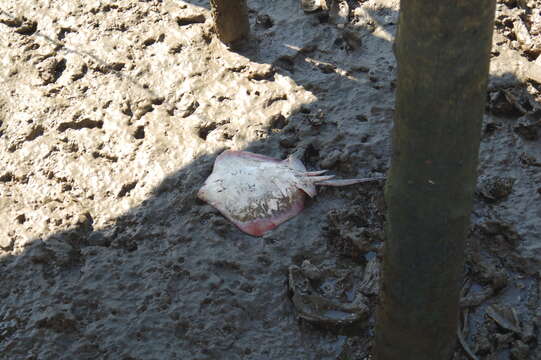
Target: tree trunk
{"type": "Point", "coordinates": [230, 19]}
{"type": "Point", "coordinates": [442, 49]}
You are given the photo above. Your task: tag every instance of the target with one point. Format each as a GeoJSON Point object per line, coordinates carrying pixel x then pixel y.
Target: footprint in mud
{"type": "Point", "coordinates": [215, 131]}
{"type": "Point", "coordinates": [495, 189]}
{"type": "Point", "coordinates": [327, 297]}
{"type": "Point", "coordinates": [186, 106]}
{"type": "Point", "coordinates": [51, 69]}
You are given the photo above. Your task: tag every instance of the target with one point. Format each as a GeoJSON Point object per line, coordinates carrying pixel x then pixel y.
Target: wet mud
{"type": "Point", "coordinates": [111, 116]}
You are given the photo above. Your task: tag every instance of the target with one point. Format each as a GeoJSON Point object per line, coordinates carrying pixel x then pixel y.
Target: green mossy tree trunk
{"type": "Point", "coordinates": [442, 49]}
{"type": "Point", "coordinates": [230, 19]}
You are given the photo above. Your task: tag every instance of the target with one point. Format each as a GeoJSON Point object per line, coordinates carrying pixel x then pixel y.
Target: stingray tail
{"type": "Point", "coordinates": [314, 173]}
{"type": "Point", "coordinates": [346, 182]}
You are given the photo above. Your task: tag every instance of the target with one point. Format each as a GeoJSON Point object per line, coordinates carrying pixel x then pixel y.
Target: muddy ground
{"type": "Point", "coordinates": [111, 114]}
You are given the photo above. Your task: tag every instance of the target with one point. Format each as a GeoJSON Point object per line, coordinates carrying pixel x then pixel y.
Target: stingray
{"type": "Point", "coordinates": [257, 193]}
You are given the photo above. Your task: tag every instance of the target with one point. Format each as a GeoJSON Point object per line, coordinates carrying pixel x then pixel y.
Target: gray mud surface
{"type": "Point", "coordinates": [111, 115]}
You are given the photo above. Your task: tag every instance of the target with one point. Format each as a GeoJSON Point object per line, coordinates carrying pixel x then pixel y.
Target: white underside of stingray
{"type": "Point", "coordinates": [257, 193]}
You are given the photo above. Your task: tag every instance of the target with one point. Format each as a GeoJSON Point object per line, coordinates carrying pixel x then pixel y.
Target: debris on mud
{"type": "Point", "coordinates": [496, 189]}
{"type": "Point", "coordinates": [327, 297]}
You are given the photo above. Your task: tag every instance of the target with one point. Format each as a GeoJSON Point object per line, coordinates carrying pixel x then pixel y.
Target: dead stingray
{"type": "Point", "coordinates": [258, 193]}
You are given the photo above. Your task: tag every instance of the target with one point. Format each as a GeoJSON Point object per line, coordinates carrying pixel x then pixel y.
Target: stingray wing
{"type": "Point", "coordinates": [255, 192]}
{"type": "Point", "coordinates": [258, 225]}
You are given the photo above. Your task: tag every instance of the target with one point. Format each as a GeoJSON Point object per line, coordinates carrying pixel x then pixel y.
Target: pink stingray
{"type": "Point", "coordinates": [257, 193]}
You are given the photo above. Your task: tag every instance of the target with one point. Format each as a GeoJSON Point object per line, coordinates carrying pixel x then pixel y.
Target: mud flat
{"type": "Point", "coordinates": [111, 115]}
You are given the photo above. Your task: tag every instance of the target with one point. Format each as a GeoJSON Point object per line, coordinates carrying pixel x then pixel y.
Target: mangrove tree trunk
{"type": "Point", "coordinates": [442, 50]}
{"type": "Point", "coordinates": [230, 19]}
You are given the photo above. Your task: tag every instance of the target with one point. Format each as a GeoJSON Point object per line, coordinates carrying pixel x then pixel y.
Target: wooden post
{"type": "Point", "coordinates": [442, 49]}
{"type": "Point", "coordinates": [230, 19]}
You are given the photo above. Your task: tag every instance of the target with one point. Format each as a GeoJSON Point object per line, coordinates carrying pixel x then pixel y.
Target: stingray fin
{"type": "Point", "coordinates": [308, 188]}
{"type": "Point", "coordinates": [308, 183]}
{"type": "Point", "coordinates": [245, 155]}
{"type": "Point", "coordinates": [346, 182]}
{"type": "Point", "coordinates": [295, 163]}
{"type": "Point", "coordinates": [260, 225]}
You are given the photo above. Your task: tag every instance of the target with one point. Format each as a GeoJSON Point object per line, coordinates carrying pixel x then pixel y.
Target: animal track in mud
{"type": "Point", "coordinates": [153, 39]}
{"type": "Point", "coordinates": [274, 99]}
{"type": "Point", "coordinates": [7, 177]}
{"type": "Point", "coordinates": [79, 72]}
{"type": "Point", "coordinates": [204, 130]}
{"type": "Point", "coordinates": [23, 25]}
{"type": "Point", "coordinates": [187, 106]}
{"type": "Point", "coordinates": [190, 19]}
{"type": "Point", "coordinates": [34, 133]}
{"type": "Point", "coordinates": [139, 132]}
{"type": "Point", "coordinates": [97, 154]}
{"type": "Point", "coordinates": [495, 189]}
{"type": "Point", "coordinates": [51, 69]}
{"type": "Point", "coordinates": [175, 49]}
{"type": "Point", "coordinates": [285, 62]}
{"type": "Point", "coordinates": [126, 188]}
{"type": "Point", "coordinates": [106, 68]}
{"type": "Point", "coordinates": [77, 125]}
{"type": "Point", "coordinates": [311, 155]}
{"type": "Point", "coordinates": [278, 122]}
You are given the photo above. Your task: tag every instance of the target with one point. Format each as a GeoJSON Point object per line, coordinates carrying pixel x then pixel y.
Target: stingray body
{"type": "Point", "coordinates": [257, 193]}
